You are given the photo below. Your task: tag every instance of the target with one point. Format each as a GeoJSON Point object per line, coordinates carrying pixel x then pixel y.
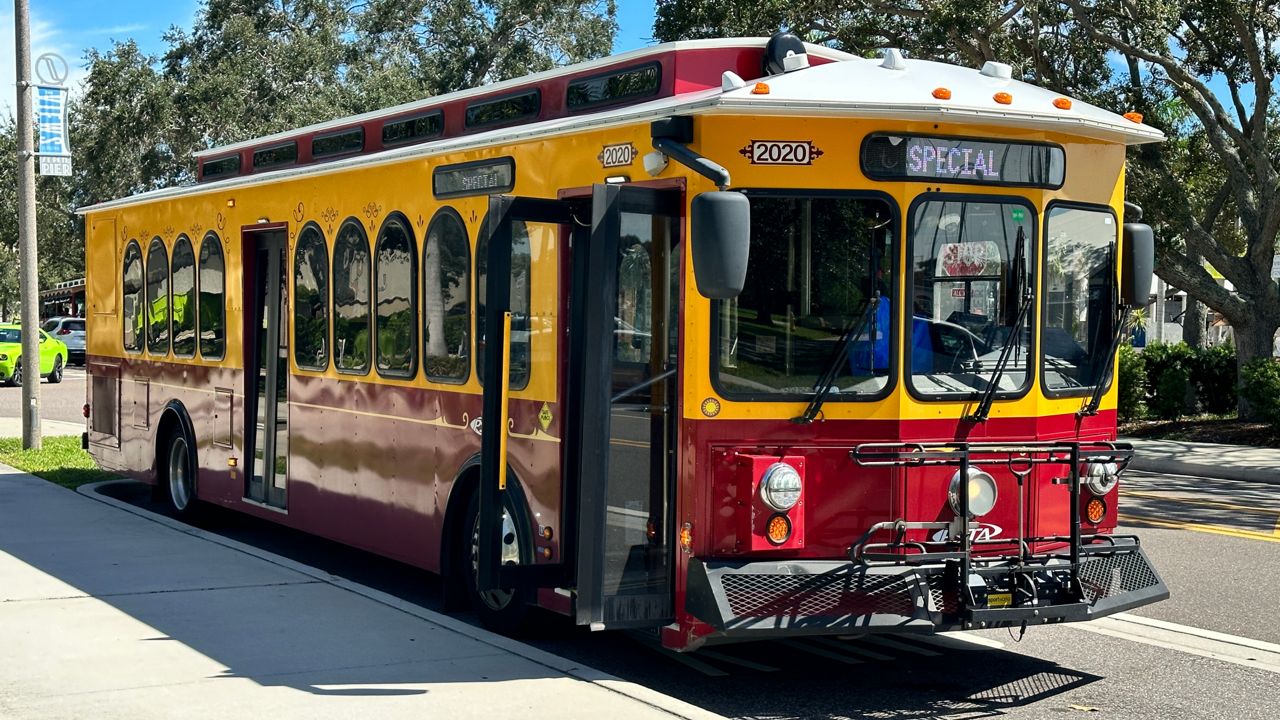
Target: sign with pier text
{"type": "Point", "coordinates": [51, 122]}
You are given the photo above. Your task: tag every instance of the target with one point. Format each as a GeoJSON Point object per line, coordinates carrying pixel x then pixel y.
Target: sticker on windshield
{"type": "Point", "coordinates": [1017, 214]}
{"type": "Point", "coordinates": [969, 259]}
{"type": "Point", "coordinates": [781, 152]}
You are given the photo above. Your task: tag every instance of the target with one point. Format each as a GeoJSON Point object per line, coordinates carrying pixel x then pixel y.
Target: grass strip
{"type": "Point", "coordinates": [60, 461]}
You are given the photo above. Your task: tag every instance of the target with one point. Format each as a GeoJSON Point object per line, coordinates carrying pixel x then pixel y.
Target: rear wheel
{"type": "Point", "coordinates": [16, 379]}
{"type": "Point", "coordinates": [55, 375]}
{"type": "Point", "coordinates": [503, 611]}
{"type": "Point", "coordinates": [179, 476]}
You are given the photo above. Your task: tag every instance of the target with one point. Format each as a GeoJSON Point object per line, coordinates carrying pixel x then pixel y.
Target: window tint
{"type": "Point", "coordinates": [520, 301]}
{"type": "Point", "coordinates": [285, 154]}
{"type": "Point", "coordinates": [50, 325]}
{"type": "Point", "coordinates": [221, 167]}
{"type": "Point", "coordinates": [133, 315]}
{"type": "Point", "coordinates": [1080, 297]}
{"type": "Point", "coordinates": [397, 319]}
{"type": "Point", "coordinates": [614, 87]}
{"type": "Point", "coordinates": [311, 300]}
{"type": "Point", "coordinates": [351, 274]}
{"type": "Point", "coordinates": [446, 283]}
{"type": "Point", "coordinates": [74, 325]}
{"type": "Point", "coordinates": [339, 143]}
{"type": "Point", "coordinates": [421, 127]}
{"type": "Point", "coordinates": [212, 315]}
{"type": "Point", "coordinates": [503, 110]}
{"type": "Point", "coordinates": [184, 298]}
{"type": "Point", "coordinates": [157, 299]}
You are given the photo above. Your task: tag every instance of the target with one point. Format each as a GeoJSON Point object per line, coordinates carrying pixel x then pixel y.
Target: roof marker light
{"type": "Point", "coordinates": [1003, 98]}
{"type": "Point", "coordinates": [942, 93]}
{"type": "Point", "coordinates": [1133, 117]}
{"type": "Point", "coordinates": [1062, 103]}
{"type": "Point", "coordinates": [893, 60]}
{"type": "Point", "coordinates": [760, 89]}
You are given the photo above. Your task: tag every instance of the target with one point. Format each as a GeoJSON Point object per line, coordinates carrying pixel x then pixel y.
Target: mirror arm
{"type": "Point", "coordinates": [710, 169]}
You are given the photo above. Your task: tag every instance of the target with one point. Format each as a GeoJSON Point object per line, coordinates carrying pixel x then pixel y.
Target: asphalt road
{"type": "Point", "coordinates": [64, 401]}
{"type": "Point", "coordinates": [1222, 567]}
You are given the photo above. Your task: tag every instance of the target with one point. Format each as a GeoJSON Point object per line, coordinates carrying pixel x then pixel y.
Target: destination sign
{"type": "Point", "coordinates": [483, 177]}
{"type": "Point", "coordinates": [963, 160]}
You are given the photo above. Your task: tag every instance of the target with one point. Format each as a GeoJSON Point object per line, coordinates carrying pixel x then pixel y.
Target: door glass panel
{"type": "Point", "coordinates": [281, 445]}
{"type": "Point", "coordinates": [261, 414]}
{"type": "Point", "coordinates": [637, 552]}
{"type": "Point", "coordinates": [521, 265]}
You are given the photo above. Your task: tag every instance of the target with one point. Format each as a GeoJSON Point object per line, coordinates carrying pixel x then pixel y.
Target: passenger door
{"type": "Point", "coordinates": [267, 367]}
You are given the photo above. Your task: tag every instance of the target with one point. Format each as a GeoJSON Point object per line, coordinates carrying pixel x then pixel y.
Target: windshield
{"type": "Point", "coordinates": [10, 335]}
{"type": "Point", "coordinates": [814, 265]}
{"type": "Point", "coordinates": [970, 260]}
{"type": "Point", "coordinates": [1080, 289]}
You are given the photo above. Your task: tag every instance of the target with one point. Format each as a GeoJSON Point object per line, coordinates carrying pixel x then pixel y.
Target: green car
{"type": "Point", "coordinates": [53, 355]}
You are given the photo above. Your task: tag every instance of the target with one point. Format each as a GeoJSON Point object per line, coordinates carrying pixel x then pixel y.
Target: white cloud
{"type": "Point", "coordinates": [45, 37]}
{"type": "Point", "coordinates": [115, 30]}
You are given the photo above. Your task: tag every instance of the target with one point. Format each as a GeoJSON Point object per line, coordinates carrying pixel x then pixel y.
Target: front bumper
{"type": "Point", "coordinates": [794, 597]}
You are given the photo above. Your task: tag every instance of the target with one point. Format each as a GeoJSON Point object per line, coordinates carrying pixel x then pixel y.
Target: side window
{"type": "Point", "coordinates": [133, 315]}
{"type": "Point", "coordinates": [157, 299]}
{"type": "Point", "coordinates": [311, 300]}
{"type": "Point", "coordinates": [446, 296]}
{"type": "Point", "coordinates": [351, 274]}
{"type": "Point", "coordinates": [520, 301]}
{"type": "Point", "coordinates": [184, 298]}
{"type": "Point", "coordinates": [397, 299]}
{"type": "Point", "coordinates": [212, 315]}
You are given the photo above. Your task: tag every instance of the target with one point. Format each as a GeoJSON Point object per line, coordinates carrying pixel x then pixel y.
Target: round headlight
{"type": "Point", "coordinates": [1101, 478]}
{"type": "Point", "coordinates": [982, 492]}
{"type": "Point", "coordinates": [780, 487]}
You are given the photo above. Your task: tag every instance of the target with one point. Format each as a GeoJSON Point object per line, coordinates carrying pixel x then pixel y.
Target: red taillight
{"type": "Point", "coordinates": [86, 410]}
{"type": "Point", "coordinates": [64, 331]}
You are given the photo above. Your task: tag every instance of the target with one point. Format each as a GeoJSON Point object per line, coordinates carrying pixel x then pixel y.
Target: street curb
{"type": "Point", "coordinates": [1177, 467]}
{"type": "Point", "coordinates": [604, 680]}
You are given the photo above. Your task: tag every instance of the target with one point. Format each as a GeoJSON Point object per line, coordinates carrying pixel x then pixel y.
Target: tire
{"type": "Point", "coordinates": [55, 375]}
{"type": "Point", "coordinates": [15, 380]}
{"type": "Point", "coordinates": [503, 611]}
{"type": "Point", "coordinates": [179, 474]}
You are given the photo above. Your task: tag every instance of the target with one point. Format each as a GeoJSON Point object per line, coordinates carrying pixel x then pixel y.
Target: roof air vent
{"type": "Point", "coordinates": [998, 70]}
{"type": "Point", "coordinates": [893, 60]}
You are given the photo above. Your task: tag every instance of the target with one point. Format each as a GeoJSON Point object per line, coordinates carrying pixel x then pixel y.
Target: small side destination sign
{"type": "Point", "coordinates": [962, 160]}
{"type": "Point", "coordinates": [483, 177]}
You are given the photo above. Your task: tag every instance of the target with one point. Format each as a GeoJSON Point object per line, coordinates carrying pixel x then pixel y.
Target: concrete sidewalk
{"type": "Point", "coordinates": [11, 427]}
{"type": "Point", "coordinates": [108, 611]}
{"type": "Point", "coordinates": [1229, 462]}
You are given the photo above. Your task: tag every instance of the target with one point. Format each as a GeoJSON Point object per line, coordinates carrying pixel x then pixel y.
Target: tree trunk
{"type": "Point", "coordinates": [1253, 340]}
{"type": "Point", "coordinates": [1193, 323]}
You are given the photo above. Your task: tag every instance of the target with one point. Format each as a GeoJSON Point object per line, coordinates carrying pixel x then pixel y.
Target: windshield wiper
{"type": "Point", "coordinates": [827, 380]}
{"type": "Point", "coordinates": [1019, 287]}
{"type": "Point", "coordinates": [1091, 406]}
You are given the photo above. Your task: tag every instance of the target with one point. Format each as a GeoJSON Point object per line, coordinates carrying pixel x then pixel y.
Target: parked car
{"type": "Point", "coordinates": [69, 330]}
{"type": "Point", "coordinates": [53, 355]}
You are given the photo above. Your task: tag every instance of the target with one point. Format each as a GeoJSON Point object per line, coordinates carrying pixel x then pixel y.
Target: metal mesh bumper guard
{"type": "Point", "coordinates": [759, 599]}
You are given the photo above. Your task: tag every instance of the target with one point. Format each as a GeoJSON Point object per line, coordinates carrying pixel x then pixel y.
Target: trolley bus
{"type": "Point", "coordinates": [724, 339]}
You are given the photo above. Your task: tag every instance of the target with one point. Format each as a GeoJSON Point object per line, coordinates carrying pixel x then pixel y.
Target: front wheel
{"type": "Point", "coordinates": [15, 379]}
{"type": "Point", "coordinates": [180, 475]}
{"type": "Point", "coordinates": [55, 375]}
{"type": "Point", "coordinates": [502, 611]}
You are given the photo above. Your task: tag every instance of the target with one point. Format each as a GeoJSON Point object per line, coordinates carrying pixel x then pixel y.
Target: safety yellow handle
{"type": "Point", "coordinates": [504, 412]}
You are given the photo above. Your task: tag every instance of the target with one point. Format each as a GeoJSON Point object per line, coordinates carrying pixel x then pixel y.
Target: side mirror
{"type": "Point", "coordinates": [1138, 253]}
{"type": "Point", "coordinates": [721, 236]}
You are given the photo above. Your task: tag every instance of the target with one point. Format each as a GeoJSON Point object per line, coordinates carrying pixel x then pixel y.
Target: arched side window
{"type": "Point", "coordinates": [212, 315]}
{"type": "Point", "coordinates": [157, 298]}
{"type": "Point", "coordinates": [446, 298]}
{"type": "Point", "coordinates": [311, 300]}
{"type": "Point", "coordinates": [521, 260]}
{"type": "Point", "coordinates": [351, 279]}
{"type": "Point", "coordinates": [397, 299]}
{"type": "Point", "coordinates": [134, 330]}
{"type": "Point", "coordinates": [183, 279]}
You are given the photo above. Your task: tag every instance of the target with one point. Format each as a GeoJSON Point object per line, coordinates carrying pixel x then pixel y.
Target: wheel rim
{"type": "Point", "coordinates": [179, 473]}
{"type": "Point", "coordinates": [57, 368]}
{"type": "Point", "coordinates": [510, 549]}
{"type": "Point", "coordinates": [17, 375]}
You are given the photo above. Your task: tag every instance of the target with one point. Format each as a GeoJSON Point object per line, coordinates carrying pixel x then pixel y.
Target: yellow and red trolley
{"type": "Point", "coordinates": [727, 338]}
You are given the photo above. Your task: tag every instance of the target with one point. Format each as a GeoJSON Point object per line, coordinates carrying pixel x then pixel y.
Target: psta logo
{"type": "Point", "coordinates": [977, 532]}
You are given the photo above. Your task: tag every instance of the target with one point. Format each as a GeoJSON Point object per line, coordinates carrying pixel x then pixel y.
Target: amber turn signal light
{"type": "Point", "coordinates": [760, 89]}
{"type": "Point", "coordinates": [1003, 98]}
{"type": "Point", "coordinates": [779, 529]}
{"type": "Point", "coordinates": [942, 93]}
{"type": "Point", "coordinates": [686, 537]}
{"type": "Point", "coordinates": [1133, 117]}
{"type": "Point", "coordinates": [1096, 511]}
{"type": "Point", "coordinates": [1062, 103]}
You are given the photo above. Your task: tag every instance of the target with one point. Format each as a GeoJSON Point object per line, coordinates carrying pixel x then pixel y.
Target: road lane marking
{"type": "Point", "coordinates": [1191, 640]}
{"type": "Point", "coordinates": [1197, 527]}
{"type": "Point", "coordinates": [1197, 501]}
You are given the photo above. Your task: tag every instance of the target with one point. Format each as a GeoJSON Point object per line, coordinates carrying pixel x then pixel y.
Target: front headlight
{"type": "Point", "coordinates": [3, 357]}
{"type": "Point", "coordinates": [982, 492]}
{"type": "Point", "coordinates": [780, 487]}
{"type": "Point", "coordinates": [1101, 478]}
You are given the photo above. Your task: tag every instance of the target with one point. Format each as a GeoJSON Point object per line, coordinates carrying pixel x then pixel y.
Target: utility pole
{"type": "Point", "coordinates": [27, 283]}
